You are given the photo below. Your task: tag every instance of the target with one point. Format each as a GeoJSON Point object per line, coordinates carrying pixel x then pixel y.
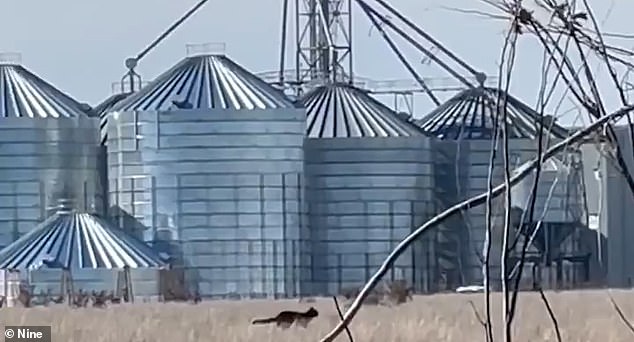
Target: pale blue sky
{"type": "Point", "coordinates": [80, 45]}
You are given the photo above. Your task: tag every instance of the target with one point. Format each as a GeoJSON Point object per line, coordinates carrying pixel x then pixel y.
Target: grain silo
{"type": "Point", "coordinates": [207, 161]}
{"type": "Point", "coordinates": [557, 197]}
{"type": "Point", "coordinates": [48, 151]}
{"type": "Point", "coordinates": [614, 214]}
{"type": "Point", "coordinates": [92, 249]}
{"type": "Point", "coordinates": [562, 247]}
{"type": "Point", "coordinates": [103, 109]}
{"type": "Point", "coordinates": [369, 177]}
{"type": "Point", "coordinates": [468, 118]}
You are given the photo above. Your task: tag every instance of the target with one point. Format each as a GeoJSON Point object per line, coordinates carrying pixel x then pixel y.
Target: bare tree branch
{"type": "Point", "coordinates": [570, 26]}
{"type": "Point", "coordinates": [334, 299]}
{"type": "Point", "coordinates": [523, 171]}
{"type": "Point", "coordinates": [502, 105]}
{"type": "Point", "coordinates": [618, 310]}
{"type": "Point", "coordinates": [551, 313]}
{"type": "Point", "coordinates": [478, 317]}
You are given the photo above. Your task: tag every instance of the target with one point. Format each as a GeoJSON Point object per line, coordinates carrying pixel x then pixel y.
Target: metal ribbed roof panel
{"type": "Point", "coordinates": [341, 110]}
{"type": "Point", "coordinates": [105, 108]}
{"type": "Point", "coordinates": [206, 82]}
{"type": "Point", "coordinates": [78, 240]}
{"type": "Point", "coordinates": [23, 94]}
{"type": "Point", "coordinates": [470, 115]}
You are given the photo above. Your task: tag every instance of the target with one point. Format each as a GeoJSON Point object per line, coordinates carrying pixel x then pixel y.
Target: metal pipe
{"type": "Point", "coordinates": [262, 243]}
{"type": "Point", "coordinates": [350, 40]}
{"type": "Point", "coordinates": [283, 41]}
{"type": "Point", "coordinates": [170, 29]}
{"type": "Point", "coordinates": [401, 57]}
{"type": "Point", "coordinates": [295, 269]}
{"type": "Point", "coordinates": [154, 211]}
{"type": "Point", "coordinates": [415, 250]}
{"type": "Point", "coordinates": [275, 269]}
{"type": "Point", "coordinates": [428, 38]}
{"type": "Point", "coordinates": [391, 215]}
{"type": "Point", "coordinates": [298, 50]}
{"type": "Point", "coordinates": [284, 235]}
{"type": "Point", "coordinates": [312, 37]}
{"type": "Point", "coordinates": [131, 79]}
{"type": "Point", "coordinates": [298, 250]}
{"type": "Point", "coordinates": [416, 44]}
{"type": "Point", "coordinates": [326, 32]}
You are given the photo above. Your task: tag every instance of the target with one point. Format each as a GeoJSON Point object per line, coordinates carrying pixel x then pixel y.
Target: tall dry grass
{"type": "Point", "coordinates": [583, 316]}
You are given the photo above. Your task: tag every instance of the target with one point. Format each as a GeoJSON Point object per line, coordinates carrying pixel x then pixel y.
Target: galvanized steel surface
{"type": "Point", "coordinates": [471, 114]}
{"type": "Point", "coordinates": [41, 162]}
{"type": "Point", "coordinates": [77, 240]}
{"type": "Point", "coordinates": [25, 95]}
{"type": "Point", "coordinates": [559, 195]}
{"type": "Point", "coordinates": [592, 165]}
{"type": "Point", "coordinates": [221, 190]}
{"type": "Point", "coordinates": [616, 214]}
{"type": "Point", "coordinates": [104, 109]}
{"type": "Point", "coordinates": [450, 235]}
{"type": "Point", "coordinates": [343, 111]}
{"type": "Point", "coordinates": [365, 195]}
{"type": "Point", "coordinates": [44, 160]}
{"type": "Point", "coordinates": [206, 82]}
{"type": "Point", "coordinates": [471, 163]}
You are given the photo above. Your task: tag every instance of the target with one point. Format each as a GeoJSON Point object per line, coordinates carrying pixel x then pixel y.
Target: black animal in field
{"type": "Point", "coordinates": [285, 319]}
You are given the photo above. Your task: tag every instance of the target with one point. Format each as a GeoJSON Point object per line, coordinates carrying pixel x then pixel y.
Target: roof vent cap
{"type": "Point", "coordinates": [206, 49]}
{"type": "Point", "coordinates": [13, 58]}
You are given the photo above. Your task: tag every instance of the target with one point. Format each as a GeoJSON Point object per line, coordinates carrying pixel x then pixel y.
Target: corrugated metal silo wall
{"type": "Point", "coordinates": [559, 197]}
{"type": "Point", "coordinates": [561, 205]}
{"type": "Point", "coordinates": [452, 237]}
{"type": "Point", "coordinates": [365, 195]}
{"type": "Point", "coordinates": [595, 190]}
{"type": "Point", "coordinates": [225, 187]}
{"type": "Point", "coordinates": [592, 160]}
{"type": "Point", "coordinates": [102, 167]}
{"type": "Point", "coordinates": [474, 159]}
{"type": "Point", "coordinates": [616, 215]}
{"type": "Point", "coordinates": [42, 161]}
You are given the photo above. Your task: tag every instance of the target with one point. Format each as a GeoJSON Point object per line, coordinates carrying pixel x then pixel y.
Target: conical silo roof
{"type": "Point", "coordinates": [77, 240]}
{"type": "Point", "coordinates": [24, 94]}
{"type": "Point", "coordinates": [341, 110]}
{"type": "Point", "coordinates": [106, 105]}
{"type": "Point", "coordinates": [206, 82]}
{"type": "Point", "coordinates": [104, 108]}
{"type": "Point", "coordinates": [470, 115]}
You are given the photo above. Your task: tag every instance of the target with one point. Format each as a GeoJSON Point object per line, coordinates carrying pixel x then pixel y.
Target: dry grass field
{"type": "Point", "coordinates": [583, 316]}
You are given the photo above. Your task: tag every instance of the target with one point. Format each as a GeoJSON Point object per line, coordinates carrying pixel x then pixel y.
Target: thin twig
{"type": "Point", "coordinates": [621, 314]}
{"type": "Point", "coordinates": [478, 317]}
{"type": "Point", "coordinates": [593, 106]}
{"type": "Point", "coordinates": [551, 313]}
{"type": "Point", "coordinates": [611, 70]}
{"type": "Point", "coordinates": [476, 12]}
{"type": "Point", "coordinates": [334, 299]}
{"type": "Point", "coordinates": [542, 102]}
